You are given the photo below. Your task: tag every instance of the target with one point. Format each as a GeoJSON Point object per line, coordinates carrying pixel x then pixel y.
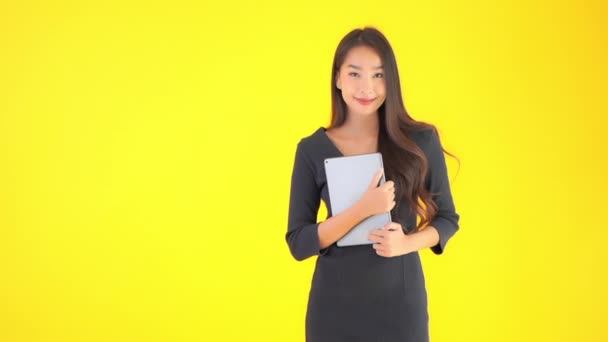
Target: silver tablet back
{"type": "Point", "coordinates": [348, 178]}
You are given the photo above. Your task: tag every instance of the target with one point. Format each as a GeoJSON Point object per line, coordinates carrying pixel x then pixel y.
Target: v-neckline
{"type": "Point", "coordinates": [331, 142]}
{"type": "Point", "coordinates": [335, 147]}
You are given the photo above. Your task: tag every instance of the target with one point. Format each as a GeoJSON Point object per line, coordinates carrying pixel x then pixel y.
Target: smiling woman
{"type": "Point", "coordinates": [377, 292]}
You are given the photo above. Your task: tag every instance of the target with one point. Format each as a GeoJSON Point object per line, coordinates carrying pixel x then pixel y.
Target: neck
{"type": "Point", "coordinates": [358, 125]}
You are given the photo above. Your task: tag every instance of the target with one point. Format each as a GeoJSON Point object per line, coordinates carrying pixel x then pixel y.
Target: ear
{"type": "Point", "coordinates": [338, 85]}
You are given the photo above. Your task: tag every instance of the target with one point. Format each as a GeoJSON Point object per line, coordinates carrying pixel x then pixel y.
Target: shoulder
{"type": "Point", "coordinates": [310, 151]}
{"type": "Point", "coordinates": [429, 143]}
{"type": "Point", "coordinates": [312, 142]}
{"type": "Point", "coordinates": [424, 138]}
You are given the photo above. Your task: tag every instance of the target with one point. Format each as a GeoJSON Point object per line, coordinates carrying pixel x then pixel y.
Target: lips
{"type": "Point", "coordinates": [364, 101]}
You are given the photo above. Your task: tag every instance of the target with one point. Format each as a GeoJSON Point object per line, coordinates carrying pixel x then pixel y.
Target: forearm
{"type": "Point", "coordinates": [428, 237]}
{"type": "Point", "coordinates": [335, 227]}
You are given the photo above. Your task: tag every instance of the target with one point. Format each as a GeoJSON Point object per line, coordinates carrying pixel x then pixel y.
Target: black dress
{"type": "Point", "coordinates": [357, 295]}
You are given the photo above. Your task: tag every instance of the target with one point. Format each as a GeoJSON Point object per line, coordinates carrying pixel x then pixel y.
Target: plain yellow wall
{"type": "Point", "coordinates": [146, 152]}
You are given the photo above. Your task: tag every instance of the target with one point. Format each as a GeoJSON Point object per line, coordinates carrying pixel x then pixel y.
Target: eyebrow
{"type": "Point", "coordinates": [359, 68]}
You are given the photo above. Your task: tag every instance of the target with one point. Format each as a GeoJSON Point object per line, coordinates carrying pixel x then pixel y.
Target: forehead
{"type": "Point", "coordinates": [363, 56]}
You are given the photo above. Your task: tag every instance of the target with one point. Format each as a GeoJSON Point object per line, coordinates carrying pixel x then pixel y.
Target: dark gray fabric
{"type": "Point", "coordinates": [355, 294]}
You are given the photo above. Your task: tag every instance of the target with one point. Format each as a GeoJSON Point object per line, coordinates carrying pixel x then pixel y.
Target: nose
{"type": "Point", "coordinates": [366, 87]}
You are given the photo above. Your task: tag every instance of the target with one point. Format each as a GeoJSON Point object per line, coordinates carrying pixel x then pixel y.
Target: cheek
{"type": "Point", "coordinates": [347, 83]}
{"type": "Point", "coordinates": [381, 91]}
{"type": "Point", "coordinates": [381, 88]}
{"type": "Point", "coordinates": [345, 96]}
{"type": "Point", "coordinates": [348, 88]}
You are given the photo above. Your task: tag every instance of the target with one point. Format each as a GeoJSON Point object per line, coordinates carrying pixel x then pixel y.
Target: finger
{"type": "Point", "coordinates": [377, 231]}
{"type": "Point", "coordinates": [378, 247]}
{"type": "Point", "coordinates": [388, 185]}
{"type": "Point", "coordinates": [392, 205]}
{"type": "Point", "coordinates": [374, 238]}
{"type": "Point", "coordinates": [382, 253]}
{"type": "Point", "coordinates": [380, 233]}
{"type": "Point", "coordinates": [376, 179]}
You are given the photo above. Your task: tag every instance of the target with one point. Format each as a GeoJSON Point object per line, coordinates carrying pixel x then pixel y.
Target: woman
{"type": "Point", "coordinates": [370, 292]}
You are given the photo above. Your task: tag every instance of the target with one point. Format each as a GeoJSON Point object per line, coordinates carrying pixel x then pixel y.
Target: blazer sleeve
{"type": "Point", "coordinates": [304, 201]}
{"type": "Point", "coordinates": [437, 183]}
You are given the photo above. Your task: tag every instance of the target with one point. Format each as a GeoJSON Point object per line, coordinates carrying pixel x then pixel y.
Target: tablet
{"type": "Point", "coordinates": [348, 178]}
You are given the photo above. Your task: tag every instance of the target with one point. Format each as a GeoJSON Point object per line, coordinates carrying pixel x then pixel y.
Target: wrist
{"type": "Point", "coordinates": [408, 244]}
{"type": "Point", "coordinates": [359, 210]}
{"type": "Point", "coordinates": [421, 239]}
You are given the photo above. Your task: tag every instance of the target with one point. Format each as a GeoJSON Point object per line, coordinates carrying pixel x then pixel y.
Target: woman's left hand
{"type": "Point", "coordinates": [390, 241]}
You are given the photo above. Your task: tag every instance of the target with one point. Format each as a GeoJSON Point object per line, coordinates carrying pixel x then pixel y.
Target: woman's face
{"type": "Point", "coordinates": [361, 80]}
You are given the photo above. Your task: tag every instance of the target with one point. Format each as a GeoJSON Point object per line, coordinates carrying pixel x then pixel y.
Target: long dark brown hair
{"type": "Point", "coordinates": [404, 161]}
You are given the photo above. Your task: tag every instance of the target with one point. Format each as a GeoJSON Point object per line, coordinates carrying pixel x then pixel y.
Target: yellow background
{"type": "Point", "coordinates": [146, 151]}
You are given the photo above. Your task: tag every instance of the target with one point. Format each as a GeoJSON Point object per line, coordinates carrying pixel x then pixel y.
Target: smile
{"type": "Point", "coordinates": [365, 101]}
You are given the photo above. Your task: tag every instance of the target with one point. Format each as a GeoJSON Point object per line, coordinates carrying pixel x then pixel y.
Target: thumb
{"type": "Point", "coordinates": [376, 179]}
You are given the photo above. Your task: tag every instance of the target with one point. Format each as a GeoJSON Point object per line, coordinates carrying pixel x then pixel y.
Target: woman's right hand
{"type": "Point", "coordinates": [378, 199]}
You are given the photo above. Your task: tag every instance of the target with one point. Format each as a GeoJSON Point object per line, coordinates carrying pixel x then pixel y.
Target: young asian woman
{"type": "Point", "coordinates": [373, 292]}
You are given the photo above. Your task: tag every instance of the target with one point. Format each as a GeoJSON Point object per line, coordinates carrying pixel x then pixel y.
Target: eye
{"type": "Point", "coordinates": [379, 75]}
{"type": "Point", "coordinates": [353, 74]}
